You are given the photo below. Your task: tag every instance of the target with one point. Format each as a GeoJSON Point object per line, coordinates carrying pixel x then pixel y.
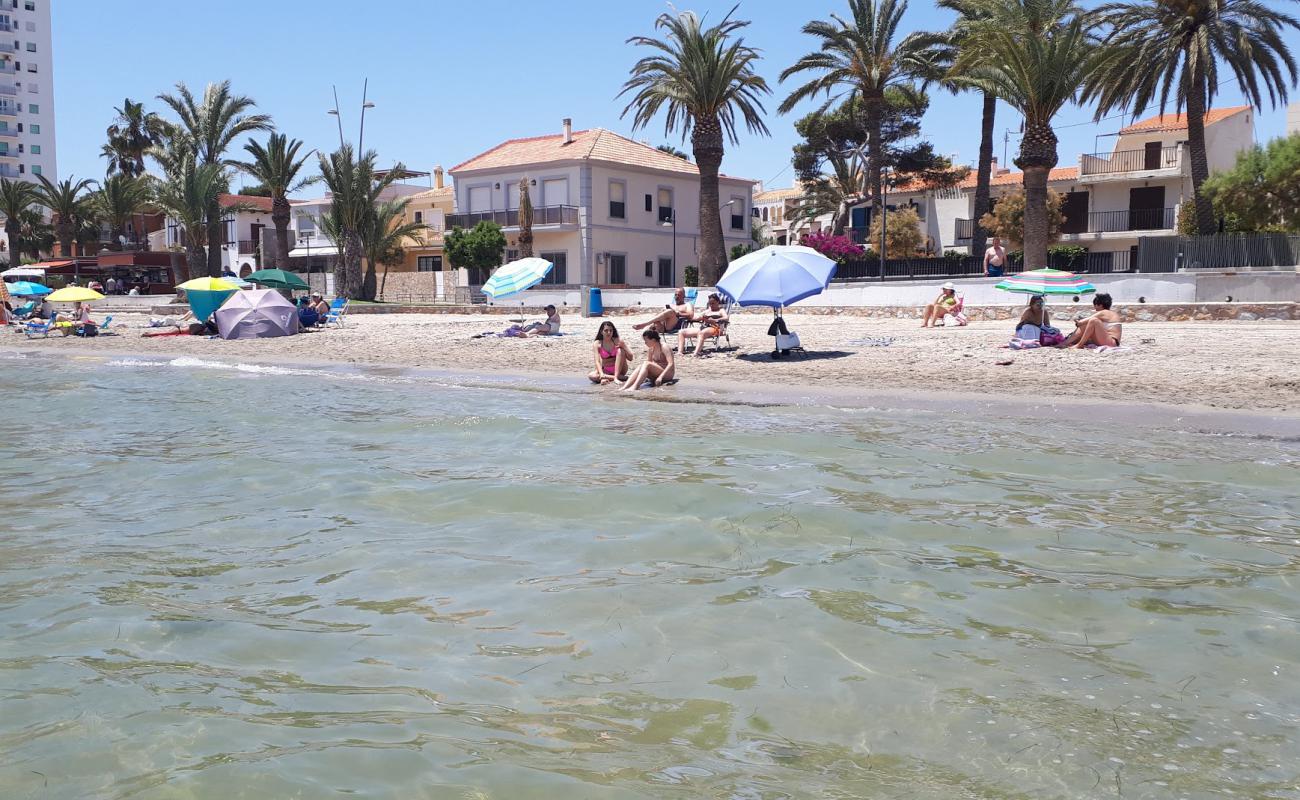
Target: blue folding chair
{"type": "Point", "coordinates": [41, 328]}
{"type": "Point", "coordinates": [338, 308]}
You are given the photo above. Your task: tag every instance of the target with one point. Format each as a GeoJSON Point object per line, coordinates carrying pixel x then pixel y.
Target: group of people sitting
{"type": "Point", "coordinates": [313, 310]}
{"type": "Point", "coordinates": [613, 358]}
{"type": "Point", "coordinates": [79, 324]}
{"type": "Point", "coordinates": [681, 313]}
{"type": "Point", "coordinates": [1100, 329]}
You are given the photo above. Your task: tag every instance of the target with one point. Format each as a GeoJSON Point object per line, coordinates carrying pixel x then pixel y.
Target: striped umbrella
{"type": "Point", "coordinates": [1046, 281]}
{"type": "Point", "coordinates": [516, 277]}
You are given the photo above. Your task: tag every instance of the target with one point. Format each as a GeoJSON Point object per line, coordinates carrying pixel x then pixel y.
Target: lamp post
{"type": "Point", "coordinates": [884, 216]}
{"type": "Point", "coordinates": [334, 112]}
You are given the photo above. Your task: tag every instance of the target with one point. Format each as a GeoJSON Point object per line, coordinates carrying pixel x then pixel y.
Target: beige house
{"type": "Point", "coordinates": [431, 209]}
{"type": "Point", "coordinates": [776, 210]}
{"type": "Point", "coordinates": [607, 210]}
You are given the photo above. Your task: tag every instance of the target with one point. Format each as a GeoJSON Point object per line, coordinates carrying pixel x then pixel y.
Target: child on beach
{"type": "Point", "coordinates": [658, 367]}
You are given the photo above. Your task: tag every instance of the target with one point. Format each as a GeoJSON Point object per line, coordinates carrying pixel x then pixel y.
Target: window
{"type": "Point", "coordinates": [617, 268]}
{"type": "Point", "coordinates": [558, 275]}
{"type": "Point", "coordinates": [511, 255]}
{"type": "Point", "coordinates": [33, 109]}
{"type": "Point", "coordinates": [649, 266]}
{"type": "Point", "coordinates": [765, 213]}
{"type": "Point", "coordinates": [428, 264]}
{"type": "Point", "coordinates": [31, 47]}
{"type": "Point", "coordinates": [4, 148]}
{"type": "Point", "coordinates": [306, 224]}
{"type": "Point", "coordinates": [649, 203]}
{"type": "Point", "coordinates": [36, 169]}
{"type": "Point", "coordinates": [419, 218]}
{"type": "Point", "coordinates": [36, 149]}
{"type": "Point", "coordinates": [737, 213]}
{"type": "Point", "coordinates": [665, 205]}
{"type": "Point", "coordinates": [555, 192]}
{"type": "Point", "coordinates": [21, 169]}
{"type": "Point", "coordinates": [33, 88]}
{"type": "Point", "coordinates": [31, 26]}
{"type": "Point", "coordinates": [617, 201]}
{"type": "Point", "coordinates": [31, 67]}
{"type": "Point", "coordinates": [30, 5]}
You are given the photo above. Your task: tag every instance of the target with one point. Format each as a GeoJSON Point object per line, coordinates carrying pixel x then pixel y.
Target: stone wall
{"type": "Point", "coordinates": [414, 287]}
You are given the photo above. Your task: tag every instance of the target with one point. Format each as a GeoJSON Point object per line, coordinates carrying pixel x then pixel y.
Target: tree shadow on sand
{"type": "Point", "coordinates": [815, 355]}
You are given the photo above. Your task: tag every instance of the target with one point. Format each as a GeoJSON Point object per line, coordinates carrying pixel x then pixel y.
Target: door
{"type": "Point", "coordinates": [1075, 210]}
{"type": "Point", "coordinates": [1151, 158]}
{"type": "Point", "coordinates": [555, 192]}
{"type": "Point", "coordinates": [480, 198]}
{"type": "Point", "coordinates": [255, 232]}
{"type": "Point", "coordinates": [1146, 208]}
{"type": "Point", "coordinates": [666, 272]}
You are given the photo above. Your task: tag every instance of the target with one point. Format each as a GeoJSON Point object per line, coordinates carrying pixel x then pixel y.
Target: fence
{"type": "Point", "coordinates": [1224, 251]}
{"type": "Point", "coordinates": [973, 266]}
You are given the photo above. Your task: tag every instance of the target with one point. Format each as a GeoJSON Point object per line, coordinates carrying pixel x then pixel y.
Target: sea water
{"type": "Point", "coordinates": [221, 581]}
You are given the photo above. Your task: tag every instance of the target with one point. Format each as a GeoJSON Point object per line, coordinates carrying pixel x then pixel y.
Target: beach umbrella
{"type": "Point", "coordinates": [516, 277]}
{"type": "Point", "coordinates": [203, 302]}
{"type": "Point", "coordinates": [256, 314]}
{"type": "Point", "coordinates": [1046, 281]}
{"type": "Point", "coordinates": [777, 276]}
{"type": "Point", "coordinates": [278, 279]}
{"type": "Point", "coordinates": [28, 288]}
{"type": "Point", "coordinates": [206, 284]}
{"type": "Point", "coordinates": [74, 294]}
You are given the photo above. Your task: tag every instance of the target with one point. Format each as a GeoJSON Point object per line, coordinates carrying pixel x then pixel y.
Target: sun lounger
{"type": "Point", "coordinates": [41, 328]}
{"type": "Point", "coordinates": [25, 310]}
{"type": "Point", "coordinates": [338, 309]}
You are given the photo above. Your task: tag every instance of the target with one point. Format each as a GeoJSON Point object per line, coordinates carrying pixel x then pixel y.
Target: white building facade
{"type": "Point", "coordinates": [607, 210]}
{"type": "Point", "coordinates": [26, 91]}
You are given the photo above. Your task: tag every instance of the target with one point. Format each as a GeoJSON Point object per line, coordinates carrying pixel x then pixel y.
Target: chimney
{"type": "Point", "coordinates": [437, 177]}
{"type": "Point", "coordinates": [568, 130]}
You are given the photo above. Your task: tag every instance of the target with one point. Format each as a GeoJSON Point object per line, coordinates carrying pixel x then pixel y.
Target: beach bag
{"type": "Point", "coordinates": [787, 341]}
{"type": "Point", "coordinates": [1029, 331]}
{"type": "Point", "coordinates": [1049, 336]}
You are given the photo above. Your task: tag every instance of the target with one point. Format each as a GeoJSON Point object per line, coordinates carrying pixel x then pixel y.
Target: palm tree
{"type": "Point", "coordinates": [130, 136]}
{"type": "Point", "coordinates": [276, 166]}
{"type": "Point", "coordinates": [835, 193]}
{"type": "Point", "coordinates": [702, 78]}
{"type": "Point", "coordinates": [384, 235]}
{"type": "Point", "coordinates": [37, 235]}
{"type": "Point", "coordinates": [212, 124]}
{"type": "Point", "coordinates": [1158, 49]}
{"type": "Point", "coordinates": [860, 58]}
{"type": "Point", "coordinates": [68, 203]}
{"type": "Point", "coordinates": [525, 238]}
{"type": "Point", "coordinates": [673, 151]}
{"type": "Point", "coordinates": [1036, 55]}
{"type": "Point", "coordinates": [354, 190]}
{"type": "Point", "coordinates": [119, 199]}
{"type": "Point", "coordinates": [16, 199]}
{"type": "Point", "coordinates": [187, 192]}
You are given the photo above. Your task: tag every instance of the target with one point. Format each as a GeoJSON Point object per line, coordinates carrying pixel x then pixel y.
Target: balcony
{"type": "Point", "coordinates": [247, 247]}
{"type": "Point", "coordinates": [1149, 162]}
{"type": "Point", "coordinates": [8, 89]}
{"type": "Point", "coordinates": [8, 133]}
{"type": "Point", "coordinates": [1125, 222]}
{"type": "Point", "coordinates": [6, 47]}
{"type": "Point", "coordinates": [8, 68]}
{"type": "Point", "coordinates": [964, 231]}
{"type": "Point", "coordinates": [428, 236]}
{"type": "Point", "coordinates": [9, 155]}
{"type": "Point", "coordinates": [558, 216]}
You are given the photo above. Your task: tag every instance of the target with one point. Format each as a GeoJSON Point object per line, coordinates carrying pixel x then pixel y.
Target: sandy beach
{"type": "Point", "coordinates": [1252, 366]}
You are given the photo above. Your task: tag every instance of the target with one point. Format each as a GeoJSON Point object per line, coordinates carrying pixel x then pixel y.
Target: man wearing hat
{"type": "Point", "coordinates": [946, 303]}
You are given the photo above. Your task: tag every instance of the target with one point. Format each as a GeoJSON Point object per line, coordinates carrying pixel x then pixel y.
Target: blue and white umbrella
{"type": "Point", "coordinates": [28, 288]}
{"type": "Point", "coordinates": [777, 276]}
{"type": "Point", "coordinates": [516, 277]}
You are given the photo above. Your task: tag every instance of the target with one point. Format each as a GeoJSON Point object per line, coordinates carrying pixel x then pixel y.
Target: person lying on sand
{"type": "Point", "coordinates": [612, 355]}
{"type": "Point", "coordinates": [658, 367]}
{"type": "Point", "coordinates": [672, 318]}
{"type": "Point", "coordinates": [714, 319]}
{"type": "Point", "coordinates": [1103, 328]}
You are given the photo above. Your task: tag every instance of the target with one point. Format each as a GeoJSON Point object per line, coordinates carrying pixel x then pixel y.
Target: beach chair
{"type": "Point", "coordinates": [730, 307]}
{"type": "Point", "coordinates": [80, 330]}
{"type": "Point", "coordinates": [26, 310]}
{"type": "Point", "coordinates": [41, 327]}
{"type": "Point", "coordinates": [338, 308]}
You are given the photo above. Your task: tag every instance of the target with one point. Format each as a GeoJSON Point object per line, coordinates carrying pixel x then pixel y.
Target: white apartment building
{"type": "Point", "coordinates": [607, 210]}
{"type": "Point", "coordinates": [26, 91]}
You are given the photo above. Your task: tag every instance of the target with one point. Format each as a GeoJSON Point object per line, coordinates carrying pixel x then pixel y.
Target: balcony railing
{"type": "Point", "coordinates": [542, 215]}
{"type": "Point", "coordinates": [7, 89]}
{"type": "Point", "coordinates": [6, 47]}
{"type": "Point", "coordinates": [964, 230]}
{"type": "Point", "coordinates": [1135, 219]}
{"type": "Point", "coordinates": [8, 133]}
{"type": "Point", "coordinates": [247, 247]}
{"type": "Point", "coordinates": [1130, 161]}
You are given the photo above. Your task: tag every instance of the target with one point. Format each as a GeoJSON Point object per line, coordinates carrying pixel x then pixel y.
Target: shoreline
{"type": "Point", "coordinates": [1196, 418]}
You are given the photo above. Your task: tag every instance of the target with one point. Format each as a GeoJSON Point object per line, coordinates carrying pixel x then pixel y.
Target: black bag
{"type": "Point", "coordinates": [778, 327]}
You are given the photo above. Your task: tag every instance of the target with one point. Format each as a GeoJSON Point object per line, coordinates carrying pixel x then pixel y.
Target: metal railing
{"type": "Point", "coordinates": [542, 215]}
{"type": "Point", "coordinates": [1223, 251]}
{"type": "Point", "coordinates": [1134, 219]}
{"type": "Point", "coordinates": [1130, 161]}
{"type": "Point", "coordinates": [964, 230]}
{"type": "Point", "coordinates": [247, 247]}
{"type": "Point", "coordinates": [973, 266]}
{"type": "Point", "coordinates": [7, 89]}
{"type": "Point", "coordinates": [8, 133]}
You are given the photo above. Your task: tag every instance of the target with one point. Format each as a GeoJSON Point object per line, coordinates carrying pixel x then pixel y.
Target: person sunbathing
{"type": "Point", "coordinates": [551, 327]}
{"type": "Point", "coordinates": [672, 318]}
{"type": "Point", "coordinates": [714, 319]}
{"type": "Point", "coordinates": [612, 355]}
{"type": "Point", "coordinates": [658, 367]}
{"type": "Point", "coordinates": [943, 305]}
{"type": "Point", "coordinates": [81, 324]}
{"type": "Point", "coordinates": [1102, 329]}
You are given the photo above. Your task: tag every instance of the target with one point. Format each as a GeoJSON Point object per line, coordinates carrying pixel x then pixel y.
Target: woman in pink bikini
{"type": "Point", "coordinates": [612, 355]}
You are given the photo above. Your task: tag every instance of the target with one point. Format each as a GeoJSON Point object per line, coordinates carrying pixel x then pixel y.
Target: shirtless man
{"type": "Point", "coordinates": [994, 258]}
{"type": "Point", "coordinates": [672, 318]}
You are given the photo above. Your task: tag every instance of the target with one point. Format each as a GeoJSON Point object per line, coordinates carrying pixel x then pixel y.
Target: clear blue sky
{"type": "Point", "coordinates": [450, 79]}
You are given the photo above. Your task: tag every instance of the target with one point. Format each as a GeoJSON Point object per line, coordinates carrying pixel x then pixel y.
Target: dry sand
{"type": "Point", "coordinates": [1253, 366]}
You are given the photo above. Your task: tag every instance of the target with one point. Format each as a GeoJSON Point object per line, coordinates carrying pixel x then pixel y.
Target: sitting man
{"type": "Point", "coordinates": [714, 321]}
{"type": "Point", "coordinates": [673, 318]}
{"type": "Point", "coordinates": [322, 307]}
{"type": "Point", "coordinates": [45, 310]}
{"type": "Point", "coordinates": [551, 327]}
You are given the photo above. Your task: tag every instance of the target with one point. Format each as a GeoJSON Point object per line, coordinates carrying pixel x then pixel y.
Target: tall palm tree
{"type": "Point", "coordinates": [276, 166]}
{"type": "Point", "coordinates": [37, 235]}
{"type": "Point", "coordinates": [68, 203]}
{"type": "Point", "coordinates": [130, 136]}
{"type": "Point", "coordinates": [354, 190]}
{"type": "Point", "coordinates": [1036, 55]}
{"type": "Point", "coordinates": [212, 124]}
{"type": "Point", "coordinates": [859, 57]}
{"type": "Point", "coordinates": [16, 199]}
{"type": "Point", "coordinates": [1163, 49]}
{"type": "Point", "coordinates": [702, 78]}
{"type": "Point", "coordinates": [120, 198]}
{"type": "Point", "coordinates": [384, 236]}
{"type": "Point", "coordinates": [525, 238]}
{"type": "Point", "coordinates": [187, 191]}
{"type": "Point", "coordinates": [835, 193]}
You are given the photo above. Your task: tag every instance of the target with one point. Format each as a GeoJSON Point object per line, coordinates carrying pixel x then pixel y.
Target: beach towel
{"type": "Point", "coordinates": [1024, 344]}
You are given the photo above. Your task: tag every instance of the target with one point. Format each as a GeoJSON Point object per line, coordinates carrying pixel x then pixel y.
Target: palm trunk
{"type": "Point", "coordinates": [280, 216]}
{"type": "Point", "coordinates": [215, 237]}
{"type": "Point", "coordinates": [349, 268]}
{"type": "Point", "coordinates": [1037, 157]}
{"type": "Point", "coordinates": [383, 282]}
{"type": "Point", "coordinates": [1205, 225]}
{"type": "Point", "coordinates": [706, 142]}
{"type": "Point", "coordinates": [984, 174]}
{"type": "Point", "coordinates": [14, 233]}
{"type": "Point", "coordinates": [369, 281]}
{"type": "Point", "coordinates": [841, 219]}
{"type": "Point", "coordinates": [875, 151]}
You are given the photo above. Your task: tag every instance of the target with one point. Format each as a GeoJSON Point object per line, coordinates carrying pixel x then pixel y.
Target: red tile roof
{"type": "Point", "coordinates": [1058, 175]}
{"type": "Point", "coordinates": [260, 203]}
{"type": "Point", "coordinates": [596, 144]}
{"type": "Point", "coordinates": [1178, 122]}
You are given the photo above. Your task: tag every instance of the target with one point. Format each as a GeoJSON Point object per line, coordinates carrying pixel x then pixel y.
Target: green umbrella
{"type": "Point", "coordinates": [277, 279]}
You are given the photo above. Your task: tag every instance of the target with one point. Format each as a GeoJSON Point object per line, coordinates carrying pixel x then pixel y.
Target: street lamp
{"type": "Point", "coordinates": [884, 216]}
{"type": "Point", "coordinates": [334, 112]}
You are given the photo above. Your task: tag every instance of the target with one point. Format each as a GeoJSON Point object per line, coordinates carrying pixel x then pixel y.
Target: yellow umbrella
{"type": "Point", "coordinates": [74, 294]}
{"type": "Point", "coordinates": [207, 285]}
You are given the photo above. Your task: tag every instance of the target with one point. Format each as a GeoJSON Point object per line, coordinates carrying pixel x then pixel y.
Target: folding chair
{"type": "Point", "coordinates": [338, 308]}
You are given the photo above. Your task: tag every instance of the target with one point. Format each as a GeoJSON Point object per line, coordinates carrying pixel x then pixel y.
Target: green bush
{"type": "Point", "coordinates": [1065, 256]}
{"type": "Point", "coordinates": [692, 275]}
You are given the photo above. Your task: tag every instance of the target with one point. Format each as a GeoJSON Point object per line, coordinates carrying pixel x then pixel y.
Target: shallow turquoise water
{"type": "Point", "coordinates": [266, 583]}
